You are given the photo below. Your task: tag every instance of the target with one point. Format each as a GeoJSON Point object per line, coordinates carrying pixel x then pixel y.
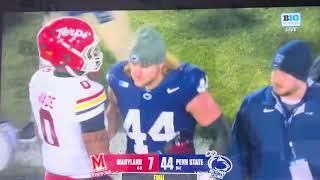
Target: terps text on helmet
{"type": "Point", "coordinates": [74, 33]}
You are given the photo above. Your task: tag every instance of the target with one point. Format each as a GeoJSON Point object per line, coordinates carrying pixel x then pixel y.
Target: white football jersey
{"type": "Point", "coordinates": [59, 104]}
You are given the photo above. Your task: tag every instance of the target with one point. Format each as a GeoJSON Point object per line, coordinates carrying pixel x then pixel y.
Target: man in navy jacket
{"type": "Point", "coordinates": [276, 134]}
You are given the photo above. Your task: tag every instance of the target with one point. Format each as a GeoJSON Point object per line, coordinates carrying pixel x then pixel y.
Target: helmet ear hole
{"type": "Point", "coordinates": [43, 46]}
{"type": "Point", "coordinates": [66, 58]}
{"type": "Point", "coordinates": [52, 32]}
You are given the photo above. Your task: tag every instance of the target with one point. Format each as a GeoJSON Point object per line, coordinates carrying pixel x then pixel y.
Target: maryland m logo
{"type": "Point", "coordinates": [98, 163]}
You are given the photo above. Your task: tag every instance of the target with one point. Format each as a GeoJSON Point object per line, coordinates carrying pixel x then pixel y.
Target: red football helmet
{"type": "Point", "coordinates": [70, 41]}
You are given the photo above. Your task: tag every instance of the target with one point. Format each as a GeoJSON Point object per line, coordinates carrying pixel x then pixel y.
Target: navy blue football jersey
{"type": "Point", "coordinates": [153, 117]}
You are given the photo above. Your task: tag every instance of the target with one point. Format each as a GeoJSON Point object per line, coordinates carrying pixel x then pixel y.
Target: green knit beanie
{"type": "Point", "coordinates": [149, 47]}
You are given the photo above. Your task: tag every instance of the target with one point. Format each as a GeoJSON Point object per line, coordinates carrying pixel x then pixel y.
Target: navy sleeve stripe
{"type": "Point", "coordinates": [94, 124]}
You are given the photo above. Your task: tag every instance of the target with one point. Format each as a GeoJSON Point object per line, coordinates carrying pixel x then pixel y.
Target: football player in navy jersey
{"type": "Point", "coordinates": [159, 99]}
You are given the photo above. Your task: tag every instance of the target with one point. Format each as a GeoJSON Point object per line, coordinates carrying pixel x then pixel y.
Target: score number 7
{"type": "Point", "coordinates": [151, 158]}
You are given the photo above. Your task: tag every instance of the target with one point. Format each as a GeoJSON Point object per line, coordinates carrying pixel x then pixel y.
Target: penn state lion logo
{"type": "Point", "coordinates": [219, 165]}
{"type": "Point", "coordinates": [277, 60]}
{"type": "Point", "coordinates": [134, 59]}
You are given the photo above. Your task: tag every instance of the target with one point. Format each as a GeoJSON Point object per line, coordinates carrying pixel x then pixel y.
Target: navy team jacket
{"type": "Point", "coordinates": [262, 131]}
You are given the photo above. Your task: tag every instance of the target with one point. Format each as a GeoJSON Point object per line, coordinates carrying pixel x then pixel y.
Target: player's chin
{"type": "Point", "coordinates": [281, 91]}
{"type": "Point", "coordinates": [278, 90]}
{"type": "Point", "coordinates": [94, 75]}
{"type": "Point", "coordinates": [139, 83]}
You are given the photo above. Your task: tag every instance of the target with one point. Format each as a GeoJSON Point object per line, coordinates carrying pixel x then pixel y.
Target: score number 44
{"type": "Point", "coordinates": [167, 163]}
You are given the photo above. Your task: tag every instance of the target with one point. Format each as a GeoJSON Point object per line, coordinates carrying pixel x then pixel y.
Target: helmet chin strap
{"type": "Point", "coordinates": [72, 73]}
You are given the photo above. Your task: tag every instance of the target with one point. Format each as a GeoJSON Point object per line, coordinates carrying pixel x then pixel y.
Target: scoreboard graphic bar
{"type": "Point", "coordinates": [132, 162]}
{"type": "Point", "coordinates": [183, 163]}
{"type": "Point", "coordinates": [160, 165]}
{"type": "Point", "coordinates": [116, 163]}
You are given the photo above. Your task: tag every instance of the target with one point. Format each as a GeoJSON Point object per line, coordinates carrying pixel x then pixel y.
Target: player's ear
{"type": "Point", "coordinates": [162, 65]}
{"type": "Point", "coordinates": [163, 68]}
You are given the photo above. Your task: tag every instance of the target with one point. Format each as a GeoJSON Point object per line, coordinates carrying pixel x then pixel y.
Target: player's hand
{"type": "Point", "coordinates": [181, 144]}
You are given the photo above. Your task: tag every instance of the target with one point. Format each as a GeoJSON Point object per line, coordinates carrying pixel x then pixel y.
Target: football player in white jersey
{"type": "Point", "coordinates": [68, 107]}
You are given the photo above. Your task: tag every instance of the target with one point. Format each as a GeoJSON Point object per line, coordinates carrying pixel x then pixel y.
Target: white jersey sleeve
{"type": "Point", "coordinates": [90, 102]}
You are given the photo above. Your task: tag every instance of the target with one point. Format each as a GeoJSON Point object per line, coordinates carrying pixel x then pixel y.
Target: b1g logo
{"type": "Point", "coordinates": [291, 21]}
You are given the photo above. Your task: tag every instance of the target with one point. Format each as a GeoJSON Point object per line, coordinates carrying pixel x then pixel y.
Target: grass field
{"type": "Point", "coordinates": [235, 48]}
